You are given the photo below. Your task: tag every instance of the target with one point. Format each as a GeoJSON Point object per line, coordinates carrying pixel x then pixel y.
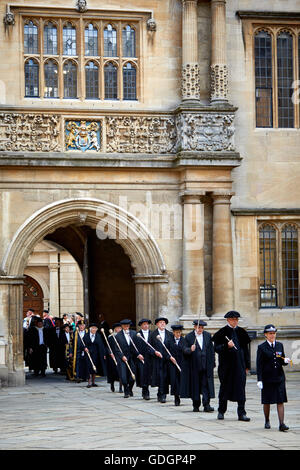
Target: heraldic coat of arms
{"type": "Point", "coordinates": [82, 135]}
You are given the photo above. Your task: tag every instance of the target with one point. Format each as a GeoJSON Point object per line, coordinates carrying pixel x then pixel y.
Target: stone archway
{"type": "Point", "coordinates": [109, 221]}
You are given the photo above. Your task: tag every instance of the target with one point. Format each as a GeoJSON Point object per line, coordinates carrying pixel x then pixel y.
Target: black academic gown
{"type": "Point", "coordinates": [175, 375]}
{"type": "Point", "coordinates": [143, 371]}
{"type": "Point", "coordinates": [160, 367]}
{"type": "Point", "coordinates": [112, 370]}
{"type": "Point", "coordinates": [38, 356]}
{"type": "Point", "coordinates": [232, 363]}
{"type": "Point", "coordinates": [129, 351]}
{"type": "Point", "coordinates": [269, 365]}
{"type": "Point", "coordinates": [80, 370]}
{"type": "Point", "coordinates": [97, 353]}
{"type": "Point", "coordinates": [55, 357]}
{"type": "Point", "coordinates": [198, 368]}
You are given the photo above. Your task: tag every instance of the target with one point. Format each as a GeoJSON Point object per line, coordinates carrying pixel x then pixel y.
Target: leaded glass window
{"type": "Point", "coordinates": [268, 278]}
{"type": "Point", "coordinates": [31, 78]}
{"type": "Point", "coordinates": [128, 41]}
{"type": "Point", "coordinates": [91, 40]}
{"type": "Point", "coordinates": [110, 42]}
{"type": "Point", "coordinates": [30, 38]}
{"type": "Point", "coordinates": [51, 79]}
{"type": "Point", "coordinates": [50, 39]}
{"type": "Point", "coordinates": [69, 40]}
{"type": "Point", "coordinates": [111, 81]}
{"type": "Point", "coordinates": [263, 79]}
{"type": "Point", "coordinates": [285, 80]}
{"type": "Point", "coordinates": [289, 237]}
{"type": "Point", "coordinates": [70, 79]}
{"type": "Point", "coordinates": [91, 81]}
{"type": "Point", "coordinates": [129, 82]}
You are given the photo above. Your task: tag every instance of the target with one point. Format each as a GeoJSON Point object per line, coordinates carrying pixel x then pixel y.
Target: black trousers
{"type": "Point", "coordinates": [223, 407]}
{"type": "Point", "coordinates": [203, 388]}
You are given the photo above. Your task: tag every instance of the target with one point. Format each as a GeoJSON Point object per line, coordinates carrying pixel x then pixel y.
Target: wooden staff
{"type": "Point", "coordinates": [142, 360]}
{"type": "Point", "coordinates": [112, 354]}
{"type": "Point", "coordinates": [176, 364]}
{"type": "Point", "coordinates": [198, 324]}
{"type": "Point", "coordinates": [126, 362]}
{"type": "Point", "coordinates": [89, 356]}
{"type": "Point", "coordinates": [148, 344]}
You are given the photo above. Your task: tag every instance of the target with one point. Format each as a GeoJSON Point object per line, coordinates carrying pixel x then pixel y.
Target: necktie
{"type": "Point", "coordinates": [235, 338]}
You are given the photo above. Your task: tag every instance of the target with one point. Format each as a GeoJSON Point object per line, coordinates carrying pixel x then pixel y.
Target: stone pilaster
{"type": "Point", "coordinates": [54, 289]}
{"type": "Point", "coordinates": [193, 282]}
{"type": "Point", "coordinates": [222, 284]}
{"type": "Point", "coordinates": [219, 71]}
{"type": "Point", "coordinates": [190, 66]}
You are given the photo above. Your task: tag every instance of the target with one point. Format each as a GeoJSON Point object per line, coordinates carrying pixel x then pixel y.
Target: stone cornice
{"type": "Point", "coordinates": [268, 15]}
{"type": "Point", "coordinates": [265, 211]}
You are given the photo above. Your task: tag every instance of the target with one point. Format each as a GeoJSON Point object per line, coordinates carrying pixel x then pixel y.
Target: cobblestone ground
{"type": "Point", "coordinates": [51, 413]}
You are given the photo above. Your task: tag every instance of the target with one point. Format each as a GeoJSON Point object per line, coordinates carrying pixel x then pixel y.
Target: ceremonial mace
{"type": "Point", "coordinates": [126, 362]}
{"type": "Point", "coordinates": [89, 356]}
{"type": "Point", "coordinates": [113, 356]}
{"type": "Point", "coordinates": [198, 324]}
{"type": "Point", "coordinates": [148, 344]}
{"type": "Point", "coordinates": [142, 360]}
{"type": "Point", "coordinates": [231, 340]}
{"type": "Point", "coordinates": [176, 364]}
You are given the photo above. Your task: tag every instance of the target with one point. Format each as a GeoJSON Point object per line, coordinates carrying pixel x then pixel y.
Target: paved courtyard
{"type": "Point", "coordinates": [51, 413]}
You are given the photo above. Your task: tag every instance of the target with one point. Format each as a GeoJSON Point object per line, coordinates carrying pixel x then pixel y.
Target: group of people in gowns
{"type": "Point", "coordinates": [181, 366]}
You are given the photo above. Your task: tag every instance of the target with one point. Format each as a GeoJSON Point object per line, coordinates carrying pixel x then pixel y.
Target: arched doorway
{"type": "Point", "coordinates": [33, 296]}
{"type": "Point", "coordinates": [148, 267]}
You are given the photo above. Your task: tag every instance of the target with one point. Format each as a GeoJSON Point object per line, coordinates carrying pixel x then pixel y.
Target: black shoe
{"type": "Point", "coordinates": [244, 418]}
{"type": "Point", "coordinates": [94, 385]}
{"type": "Point", "coordinates": [177, 401]}
{"type": "Point", "coordinates": [126, 395]}
{"type": "Point", "coordinates": [196, 409]}
{"type": "Point", "coordinates": [146, 396]}
{"type": "Point", "coordinates": [89, 386]}
{"type": "Point", "coordinates": [163, 399]}
{"type": "Point", "coordinates": [208, 409]}
{"type": "Point", "coordinates": [112, 387]}
{"type": "Point", "coordinates": [220, 415]}
{"type": "Point", "coordinates": [267, 425]}
{"type": "Point", "coordinates": [283, 427]}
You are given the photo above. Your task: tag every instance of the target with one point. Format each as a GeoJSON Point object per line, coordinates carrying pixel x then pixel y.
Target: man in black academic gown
{"type": "Point", "coordinates": [232, 345]}
{"type": "Point", "coordinates": [37, 342]}
{"type": "Point", "coordinates": [144, 370]}
{"type": "Point", "coordinates": [80, 371]}
{"type": "Point", "coordinates": [198, 369]}
{"type": "Point", "coordinates": [126, 353]}
{"type": "Point", "coordinates": [55, 357]}
{"type": "Point", "coordinates": [112, 370]}
{"type": "Point", "coordinates": [176, 362]}
{"type": "Point", "coordinates": [160, 366]}
{"type": "Point", "coordinates": [95, 354]}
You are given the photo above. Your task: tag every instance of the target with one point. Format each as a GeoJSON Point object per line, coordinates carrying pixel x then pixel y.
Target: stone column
{"type": "Point", "coordinates": [54, 289]}
{"type": "Point", "coordinates": [222, 284]}
{"type": "Point", "coordinates": [190, 67]}
{"type": "Point", "coordinates": [11, 331]}
{"type": "Point", "coordinates": [219, 72]}
{"type": "Point", "coordinates": [147, 289]}
{"type": "Point", "coordinates": [193, 282]}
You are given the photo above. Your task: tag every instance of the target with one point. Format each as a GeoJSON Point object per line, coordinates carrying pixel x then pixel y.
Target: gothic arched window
{"type": "Point", "coordinates": [31, 78]}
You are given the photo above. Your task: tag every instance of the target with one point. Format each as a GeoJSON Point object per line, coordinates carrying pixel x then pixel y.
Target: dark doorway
{"type": "Point", "coordinates": [109, 288]}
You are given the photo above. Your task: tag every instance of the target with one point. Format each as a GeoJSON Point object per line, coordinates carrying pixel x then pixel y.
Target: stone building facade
{"type": "Point", "coordinates": [155, 142]}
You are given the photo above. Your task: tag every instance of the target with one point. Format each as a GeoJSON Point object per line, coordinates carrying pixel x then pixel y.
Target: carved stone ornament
{"type": "Point", "coordinates": [29, 132]}
{"type": "Point", "coordinates": [82, 135]}
{"type": "Point", "coordinates": [205, 132]}
{"type": "Point", "coordinates": [219, 82]}
{"type": "Point", "coordinates": [190, 82]}
{"type": "Point", "coordinates": [140, 134]}
{"type": "Point", "coordinates": [9, 17]}
{"type": "Point", "coordinates": [81, 6]}
{"type": "Point", "coordinates": [151, 25]}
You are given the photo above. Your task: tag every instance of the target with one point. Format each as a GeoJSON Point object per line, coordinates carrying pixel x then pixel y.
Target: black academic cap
{"type": "Point", "coordinates": [177, 327]}
{"type": "Point", "coordinates": [144, 320]}
{"type": "Point", "coordinates": [126, 321]}
{"type": "Point", "coordinates": [199, 322]}
{"type": "Point", "coordinates": [115, 325]}
{"type": "Point", "coordinates": [161, 318]}
{"type": "Point", "coordinates": [93, 324]}
{"type": "Point", "coordinates": [232, 314]}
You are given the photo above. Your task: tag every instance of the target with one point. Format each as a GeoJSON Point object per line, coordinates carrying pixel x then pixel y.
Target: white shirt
{"type": "Point", "coordinates": [146, 334]}
{"type": "Point", "coordinates": [162, 334]}
{"type": "Point", "coordinates": [81, 333]}
{"type": "Point", "coordinates": [41, 335]}
{"type": "Point", "coordinates": [271, 343]}
{"type": "Point", "coordinates": [92, 336]}
{"type": "Point", "coordinates": [200, 339]}
{"type": "Point", "coordinates": [68, 336]}
{"type": "Point", "coordinates": [127, 336]}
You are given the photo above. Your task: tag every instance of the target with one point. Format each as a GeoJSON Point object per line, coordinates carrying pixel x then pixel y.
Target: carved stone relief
{"type": "Point", "coordinates": [29, 132]}
{"type": "Point", "coordinates": [219, 82]}
{"type": "Point", "coordinates": [143, 134]}
{"type": "Point", "coordinates": [205, 132]}
{"type": "Point", "coordinates": [190, 82]}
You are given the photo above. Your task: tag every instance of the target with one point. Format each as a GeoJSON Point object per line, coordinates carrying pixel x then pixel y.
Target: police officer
{"type": "Point", "coordinates": [270, 360]}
